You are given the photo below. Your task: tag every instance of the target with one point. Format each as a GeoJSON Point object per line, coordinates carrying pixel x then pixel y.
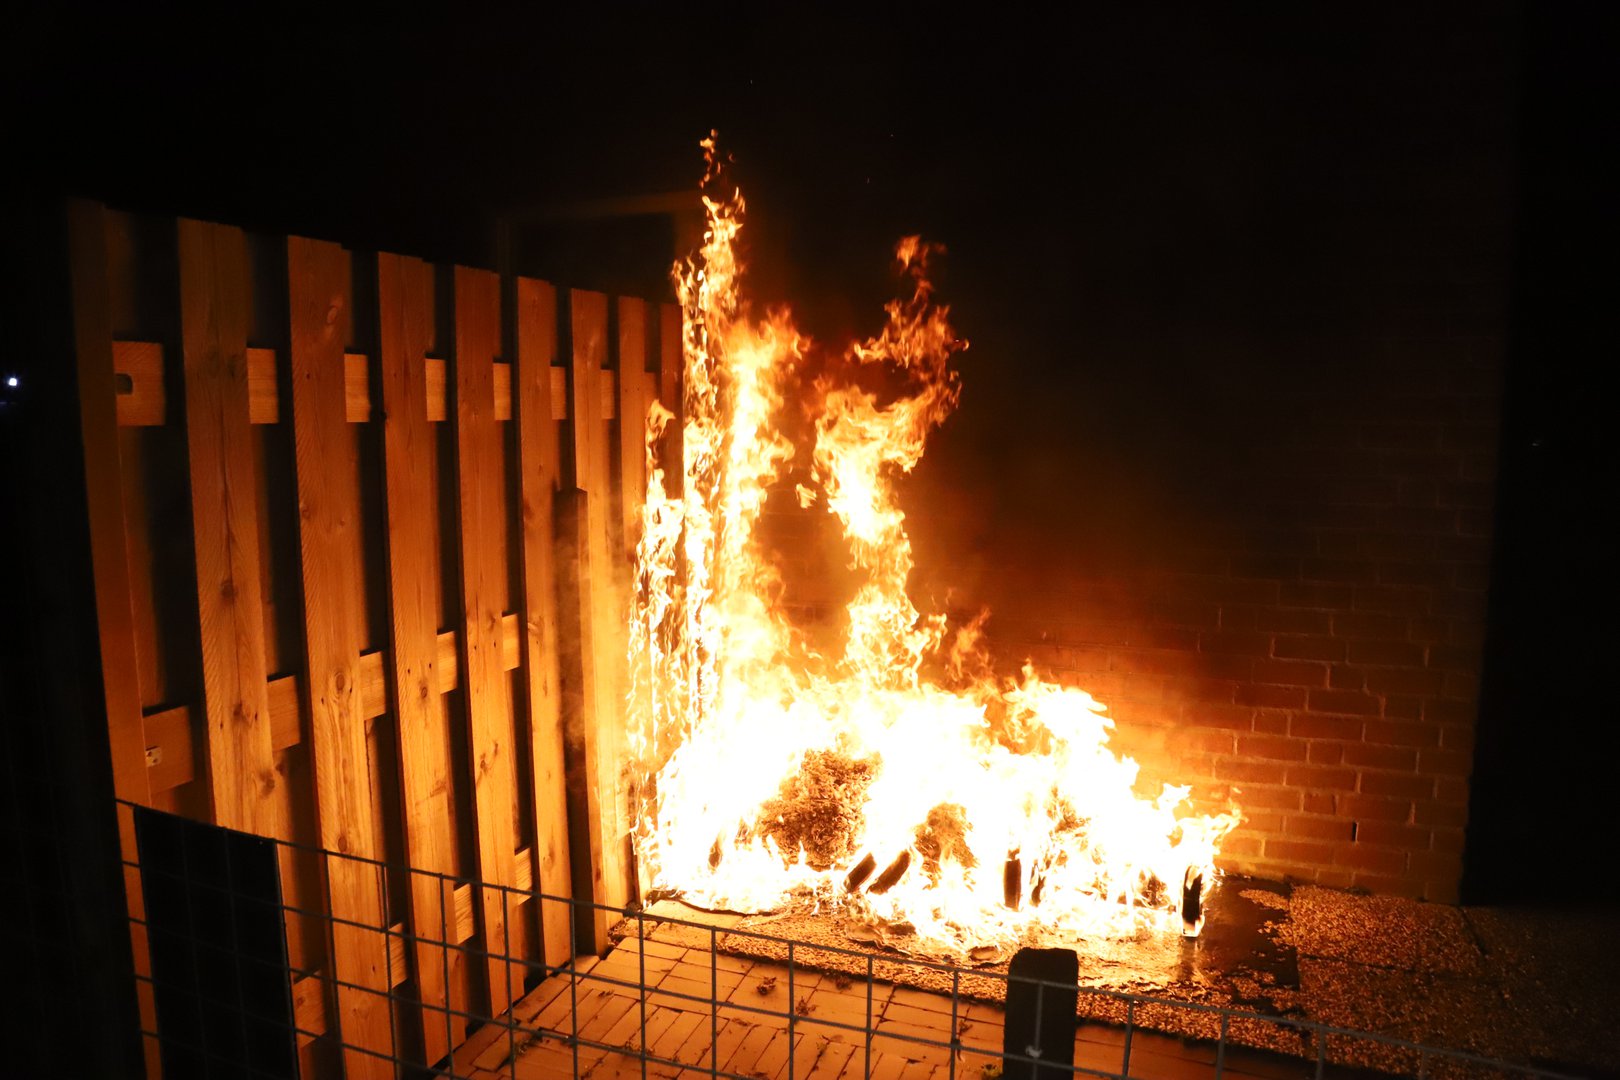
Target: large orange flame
{"type": "Point", "coordinates": [973, 811]}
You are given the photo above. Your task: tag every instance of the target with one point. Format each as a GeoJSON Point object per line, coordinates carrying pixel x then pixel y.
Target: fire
{"type": "Point", "coordinates": [894, 778]}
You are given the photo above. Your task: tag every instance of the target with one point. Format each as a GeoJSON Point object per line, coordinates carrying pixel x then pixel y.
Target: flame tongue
{"type": "Point", "coordinates": [970, 813]}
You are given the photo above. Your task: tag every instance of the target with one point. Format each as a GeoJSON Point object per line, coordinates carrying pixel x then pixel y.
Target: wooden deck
{"type": "Point", "coordinates": [697, 1001]}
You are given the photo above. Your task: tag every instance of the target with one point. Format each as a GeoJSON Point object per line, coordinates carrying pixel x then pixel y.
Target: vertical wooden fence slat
{"type": "Point", "coordinates": [479, 471]}
{"type": "Point", "coordinates": [405, 300]}
{"type": "Point", "coordinates": [328, 524]}
{"type": "Point", "coordinates": [670, 388]}
{"type": "Point", "coordinates": [576, 664]}
{"type": "Point", "coordinates": [634, 396]}
{"type": "Point", "coordinates": [244, 786]}
{"type": "Point", "coordinates": [602, 631]}
{"type": "Point", "coordinates": [536, 337]}
{"type": "Point", "coordinates": [109, 564]}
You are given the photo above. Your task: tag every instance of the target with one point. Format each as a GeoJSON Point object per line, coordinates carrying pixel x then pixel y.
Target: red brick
{"type": "Point", "coordinates": [1363, 624]}
{"type": "Point", "coordinates": [1320, 777]}
{"type": "Point", "coordinates": [1346, 677]}
{"type": "Point", "coordinates": [1446, 763]}
{"type": "Point", "coordinates": [1273, 747]}
{"type": "Point", "coordinates": [1268, 798]}
{"type": "Point", "coordinates": [1451, 792]}
{"type": "Point", "coordinates": [1398, 785]}
{"type": "Point", "coordinates": [1462, 685]}
{"type": "Point", "coordinates": [1287, 621]}
{"type": "Point", "coordinates": [1340, 571]}
{"type": "Point", "coordinates": [1430, 630]}
{"type": "Point", "coordinates": [1387, 884]}
{"type": "Point", "coordinates": [1181, 613]}
{"type": "Point", "coordinates": [1209, 742]}
{"type": "Point", "coordinates": [1399, 733]}
{"type": "Point", "coordinates": [1392, 599]}
{"type": "Point", "coordinates": [1325, 727]}
{"type": "Point", "coordinates": [1380, 757]}
{"type": "Point", "coordinates": [1333, 879]}
{"type": "Point", "coordinates": [1454, 658]}
{"type": "Point", "coordinates": [1325, 753]}
{"type": "Point", "coordinates": [1343, 701]}
{"type": "Point", "coordinates": [1435, 864]}
{"type": "Point", "coordinates": [1419, 681]}
{"type": "Point", "coordinates": [1234, 642]}
{"type": "Point", "coordinates": [1271, 721]}
{"type": "Point", "coordinates": [1240, 845]}
{"type": "Point", "coordinates": [1308, 648]}
{"type": "Point", "coordinates": [1450, 712]}
{"type": "Point", "coordinates": [1250, 772]}
{"type": "Point", "coordinates": [1318, 828]}
{"type": "Point", "coordinates": [1229, 717]}
{"type": "Point", "coordinates": [1317, 595]}
{"type": "Point", "coordinates": [1153, 662]}
{"type": "Point", "coordinates": [1457, 737]}
{"type": "Point", "coordinates": [1378, 860]}
{"type": "Point", "coordinates": [1232, 666]}
{"type": "Point", "coordinates": [1290, 673]}
{"type": "Point", "coordinates": [1364, 807]}
{"type": "Point", "coordinates": [1429, 575]}
{"type": "Point", "coordinates": [1386, 652]}
{"type": "Point", "coordinates": [1449, 840]}
{"type": "Point", "coordinates": [1299, 851]}
{"type": "Point", "coordinates": [1320, 802]}
{"type": "Point", "coordinates": [1437, 814]}
{"type": "Point", "coordinates": [1258, 822]}
{"type": "Point", "coordinates": [1397, 545]}
{"type": "Point", "coordinates": [1271, 697]}
{"type": "Point", "coordinates": [1403, 707]}
{"type": "Point", "coordinates": [1385, 834]}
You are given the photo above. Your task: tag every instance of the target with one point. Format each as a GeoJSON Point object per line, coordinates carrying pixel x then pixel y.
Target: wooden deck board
{"type": "Point", "coordinates": [691, 1037]}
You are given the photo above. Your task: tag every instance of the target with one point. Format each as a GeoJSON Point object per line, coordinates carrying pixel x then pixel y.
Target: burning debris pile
{"type": "Point", "coordinates": [973, 812]}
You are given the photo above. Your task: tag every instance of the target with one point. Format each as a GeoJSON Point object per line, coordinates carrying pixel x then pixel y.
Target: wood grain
{"type": "Point", "coordinates": [479, 472]}
{"type": "Point", "coordinates": [405, 299]}
{"type": "Point", "coordinates": [245, 787]}
{"type": "Point", "coordinates": [538, 466]}
{"type": "Point", "coordinates": [329, 543]}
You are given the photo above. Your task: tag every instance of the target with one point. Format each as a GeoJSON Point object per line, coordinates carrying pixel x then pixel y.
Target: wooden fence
{"type": "Point", "coordinates": [361, 530]}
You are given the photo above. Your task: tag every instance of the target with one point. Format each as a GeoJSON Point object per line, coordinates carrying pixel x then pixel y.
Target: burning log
{"type": "Point", "coordinates": [1192, 902]}
{"type": "Point", "coordinates": [857, 876]}
{"type": "Point", "coordinates": [1012, 881]}
{"type": "Point", "coordinates": [892, 874]}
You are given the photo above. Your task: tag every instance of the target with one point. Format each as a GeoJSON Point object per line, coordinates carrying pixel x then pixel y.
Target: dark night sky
{"type": "Point", "coordinates": [1132, 197]}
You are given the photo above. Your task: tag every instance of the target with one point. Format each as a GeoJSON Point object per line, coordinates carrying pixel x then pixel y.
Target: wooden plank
{"type": "Point", "coordinates": [244, 784]}
{"type": "Point", "coordinates": [480, 471]}
{"type": "Point", "coordinates": [141, 398]}
{"type": "Point", "coordinates": [538, 467]}
{"type": "Point", "coordinates": [405, 301]}
{"type": "Point", "coordinates": [328, 531]}
{"type": "Point", "coordinates": [109, 558]}
{"type": "Point", "coordinates": [605, 624]}
{"type": "Point", "coordinates": [577, 702]}
{"type": "Point", "coordinates": [635, 395]}
{"type": "Point", "coordinates": [264, 397]}
{"type": "Point", "coordinates": [670, 376]}
{"type": "Point", "coordinates": [109, 565]}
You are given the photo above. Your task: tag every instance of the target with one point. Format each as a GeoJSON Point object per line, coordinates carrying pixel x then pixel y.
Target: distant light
{"type": "Point", "coordinates": [11, 380]}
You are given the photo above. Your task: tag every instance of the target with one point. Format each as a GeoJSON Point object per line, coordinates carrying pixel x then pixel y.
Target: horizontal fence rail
{"type": "Point", "coordinates": [504, 1036]}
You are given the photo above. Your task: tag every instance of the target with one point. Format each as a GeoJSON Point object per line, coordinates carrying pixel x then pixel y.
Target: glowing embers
{"type": "Point", "coordinates": [891, 776]}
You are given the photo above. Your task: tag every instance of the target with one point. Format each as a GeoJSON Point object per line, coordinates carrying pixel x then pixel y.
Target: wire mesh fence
{"type": "Point", "coordinates": [676, 997]}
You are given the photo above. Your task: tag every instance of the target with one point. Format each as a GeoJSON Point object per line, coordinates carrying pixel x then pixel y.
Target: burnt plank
{"type": "Point", "coordinates": [635, 395]}
{"type": "Point", "coordinates": [479, 472]}
{"type": "Point", "coordinates": [538, 465]}
{"type": "Point", "coordinates": [328, 528]}
{"type": "Point", "coordinates": [245, 788]}
{"type": "Point", "coordinates": [405, 299]}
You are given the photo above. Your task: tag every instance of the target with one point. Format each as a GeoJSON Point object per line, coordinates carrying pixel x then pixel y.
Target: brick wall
{"type": "Point", "coordinates": [1298, 624]}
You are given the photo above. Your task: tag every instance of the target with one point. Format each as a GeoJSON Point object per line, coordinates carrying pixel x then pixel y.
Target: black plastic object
{"type": "Point", "coordinates": [1042, 995]}
{"type": "Point", "coordinates": [219, 954]}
